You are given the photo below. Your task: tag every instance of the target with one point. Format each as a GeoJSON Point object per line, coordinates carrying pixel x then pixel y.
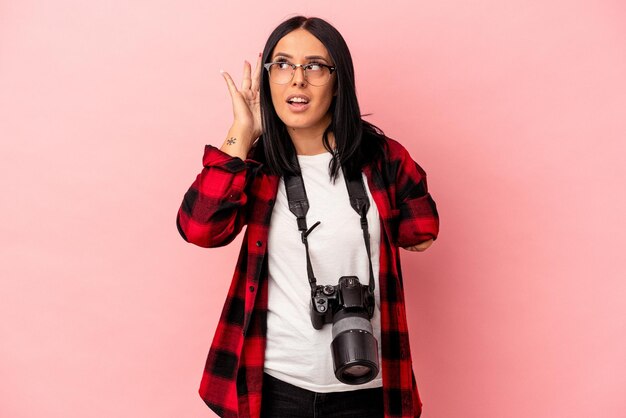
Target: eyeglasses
{"type": "Point", "coordinates": [317, 74]}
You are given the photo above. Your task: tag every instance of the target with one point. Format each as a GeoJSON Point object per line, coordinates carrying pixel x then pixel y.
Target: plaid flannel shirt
{"type": "Point", "coordinates": [229, 193]}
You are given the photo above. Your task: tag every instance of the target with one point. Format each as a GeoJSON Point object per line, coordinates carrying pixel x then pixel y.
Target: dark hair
{"type": "Point", "coordinates": [357, 141]}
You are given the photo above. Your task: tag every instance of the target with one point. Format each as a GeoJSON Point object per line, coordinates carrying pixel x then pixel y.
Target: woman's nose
{"type": "Point", "coordinates": [298, 76]}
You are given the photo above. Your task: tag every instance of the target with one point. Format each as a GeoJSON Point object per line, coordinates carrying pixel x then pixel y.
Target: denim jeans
{"type": "Point", "coordinates": [283, 400]}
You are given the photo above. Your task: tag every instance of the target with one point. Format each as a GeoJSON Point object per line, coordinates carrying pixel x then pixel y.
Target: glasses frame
{"type": "Point", "coordinates": [304, 68]}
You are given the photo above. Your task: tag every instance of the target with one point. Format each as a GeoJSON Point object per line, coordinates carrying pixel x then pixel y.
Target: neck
{"type": "Point", "coordinates": [309, 141]}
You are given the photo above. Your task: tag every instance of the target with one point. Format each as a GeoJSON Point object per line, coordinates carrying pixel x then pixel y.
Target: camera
{"type": "Point", "coordinates": [349, 306]}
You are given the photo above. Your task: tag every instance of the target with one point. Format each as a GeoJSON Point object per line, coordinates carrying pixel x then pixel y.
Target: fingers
{"type": "Point", "coordinates": [256, 78]}
{"type": "Point", "coordinates": [422, 246]}
{"type": "Point", "coordinates": [246, 83]}
{"type": "Point", "coordinates": [230, 83]}
{"type": "Point", "coordinates": [250, 81]}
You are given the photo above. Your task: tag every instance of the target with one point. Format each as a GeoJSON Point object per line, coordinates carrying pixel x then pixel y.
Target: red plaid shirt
{"type": "Point", "coordinates": [229, 193]}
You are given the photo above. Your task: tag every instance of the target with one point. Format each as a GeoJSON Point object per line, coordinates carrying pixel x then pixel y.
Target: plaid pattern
{"type": "Point", "coordinates": [229, 193]}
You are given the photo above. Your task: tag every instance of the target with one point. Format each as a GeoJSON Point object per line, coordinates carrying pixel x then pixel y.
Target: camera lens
{"type": "Point", "coordinates": [357, 370]}
{"type": "Point", "coordinates": [354, 348]}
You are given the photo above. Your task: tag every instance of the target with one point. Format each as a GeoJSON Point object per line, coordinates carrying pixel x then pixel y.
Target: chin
{"type": "Point", "coordinates": [299, 122]}
{"type": "Point", "coordinates": [300, 125]}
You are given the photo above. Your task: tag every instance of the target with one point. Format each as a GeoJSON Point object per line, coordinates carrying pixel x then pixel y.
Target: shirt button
{"type": "Point", "coordinates": [252, 288]}
{"type": "Point", "coordinates": [259, 243]}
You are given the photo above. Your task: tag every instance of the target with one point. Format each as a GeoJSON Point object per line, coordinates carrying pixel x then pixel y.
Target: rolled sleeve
{"type": "Point", "coordinates": [417, 218]}
{"type": "Point", "coordinates": [215, 157]}
{"type": "Point", "coordinates": [418, 221]}
{"type": "Point", "coordinates": [212, 212]}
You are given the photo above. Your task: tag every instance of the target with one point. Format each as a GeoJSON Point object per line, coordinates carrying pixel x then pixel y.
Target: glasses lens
{"type": "Point", "coordinates": [280, 73]}
{"type": "Point", "coordinates": [317, 75]}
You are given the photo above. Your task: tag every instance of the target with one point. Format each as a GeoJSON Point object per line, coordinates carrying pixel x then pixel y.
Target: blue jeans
{"type": "Point", "coordinates": [283, 400]}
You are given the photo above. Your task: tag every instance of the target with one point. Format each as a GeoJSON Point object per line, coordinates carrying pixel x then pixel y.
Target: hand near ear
{"type": "Point", "coordinates": [246, 101]}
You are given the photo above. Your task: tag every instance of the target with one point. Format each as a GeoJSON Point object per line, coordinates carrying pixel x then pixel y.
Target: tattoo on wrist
{"type": "Point", "coordinates": [231, 140]}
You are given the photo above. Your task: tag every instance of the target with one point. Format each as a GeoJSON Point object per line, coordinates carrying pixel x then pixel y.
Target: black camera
{"type": "Point", "coordinates": [349, 306]}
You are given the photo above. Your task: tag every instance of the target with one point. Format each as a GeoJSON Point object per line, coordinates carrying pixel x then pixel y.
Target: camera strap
{"type": "Point", "coordinates": [299, 206]}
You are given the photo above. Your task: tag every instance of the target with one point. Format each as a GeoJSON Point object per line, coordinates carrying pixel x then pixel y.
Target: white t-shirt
{"type": "Point", "coordinates": [296, 352]}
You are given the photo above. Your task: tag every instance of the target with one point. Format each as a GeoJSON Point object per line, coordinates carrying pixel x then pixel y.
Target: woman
{"type": "Point", "coordinates": [297, 115]}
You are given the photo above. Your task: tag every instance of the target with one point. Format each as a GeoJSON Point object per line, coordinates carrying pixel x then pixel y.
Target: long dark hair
{"type": "Point", "coordinates": [357, 142]}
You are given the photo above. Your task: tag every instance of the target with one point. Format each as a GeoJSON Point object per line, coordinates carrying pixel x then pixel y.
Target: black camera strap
{"type": "Point", "coordinates": [299, 206]}
{"type": "Point", "coordinates": [361, 204]}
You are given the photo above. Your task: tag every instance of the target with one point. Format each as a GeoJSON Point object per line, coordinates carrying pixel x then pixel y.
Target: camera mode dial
{"type": "Point", "coordinates": [328, 290]}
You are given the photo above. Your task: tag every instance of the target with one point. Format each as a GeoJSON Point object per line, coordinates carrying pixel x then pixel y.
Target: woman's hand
{"type": "Point", "coordinates": [422, 246]}
{"type": "Point", "coordinates": [246, 101]}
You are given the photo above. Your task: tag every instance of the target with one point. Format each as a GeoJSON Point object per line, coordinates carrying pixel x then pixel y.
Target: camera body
{"type": "Point", "coordinates": [349, 294]}
{"type": "Point", "coordinates": [349, 306]}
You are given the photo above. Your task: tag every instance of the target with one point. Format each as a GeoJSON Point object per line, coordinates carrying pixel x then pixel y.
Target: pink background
{"type": "Point", "coordinates": [516, 109]}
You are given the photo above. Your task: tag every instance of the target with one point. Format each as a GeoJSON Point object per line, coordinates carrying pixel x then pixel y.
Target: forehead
{"type": "Point", "coordinates": [299, 44]}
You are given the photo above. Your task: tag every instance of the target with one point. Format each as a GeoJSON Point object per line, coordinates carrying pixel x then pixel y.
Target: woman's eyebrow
{"type": "Point", "coordinates": [282, 54]}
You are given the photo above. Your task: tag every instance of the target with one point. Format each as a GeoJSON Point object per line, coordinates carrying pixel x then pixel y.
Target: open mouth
{"type": "Point", "coordinates": [298, 103]}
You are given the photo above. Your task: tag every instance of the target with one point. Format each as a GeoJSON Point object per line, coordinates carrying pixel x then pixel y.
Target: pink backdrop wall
{"type": "Point", "coordinates": [516, 109]}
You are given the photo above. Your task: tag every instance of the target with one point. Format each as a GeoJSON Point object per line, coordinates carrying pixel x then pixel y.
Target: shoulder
{"type": "Point", "coordinates": [395, 157]}
{"type": "Point", "coordinates": [401, 158]}
{"type": "Point", "coordinates": [395, 150]}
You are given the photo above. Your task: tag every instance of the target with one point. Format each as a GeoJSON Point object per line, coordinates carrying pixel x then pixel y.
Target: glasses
{"type": "Point", "coordinates": [317, 74]}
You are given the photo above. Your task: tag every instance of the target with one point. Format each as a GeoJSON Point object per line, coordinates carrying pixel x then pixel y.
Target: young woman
{"type": "Point", "coordinates": [297, 116]}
